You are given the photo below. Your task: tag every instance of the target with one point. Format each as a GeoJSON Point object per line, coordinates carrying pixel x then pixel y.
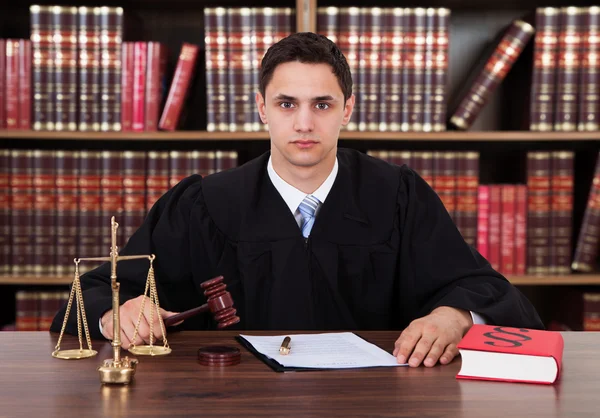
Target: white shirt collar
{"type": "Point", "coordinates": [293, 196]}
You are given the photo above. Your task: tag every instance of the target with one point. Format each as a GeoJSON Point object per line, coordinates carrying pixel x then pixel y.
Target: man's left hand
{"type": "Point", "coordinates": [433, 337]}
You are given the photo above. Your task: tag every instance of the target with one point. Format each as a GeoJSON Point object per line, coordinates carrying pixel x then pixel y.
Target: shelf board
{"type": "Point", "coordinates": [345, 135]}
{"type": "Point", "coordinates": [567, 279]}
{"type": "Point", "coordinates": [572, 279]}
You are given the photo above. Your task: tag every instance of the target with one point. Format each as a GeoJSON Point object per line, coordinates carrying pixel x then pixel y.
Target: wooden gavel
{"type": "Point", "coordinates": [219, 303]}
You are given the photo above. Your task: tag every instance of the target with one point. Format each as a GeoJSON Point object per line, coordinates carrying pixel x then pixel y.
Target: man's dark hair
{"type": "Point", "coordinates": [308, 48]}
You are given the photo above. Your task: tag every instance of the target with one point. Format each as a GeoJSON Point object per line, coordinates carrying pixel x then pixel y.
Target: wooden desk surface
{"type": "Point", "coordinates": [33, 384]}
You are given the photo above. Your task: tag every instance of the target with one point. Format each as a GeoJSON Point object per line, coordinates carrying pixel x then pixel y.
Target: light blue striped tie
{"type": "Point", "coordinates": [307, 209]}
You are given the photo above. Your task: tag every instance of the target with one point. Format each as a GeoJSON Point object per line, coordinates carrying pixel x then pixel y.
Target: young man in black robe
{"type": "Point", "coordinates": [309, 236]}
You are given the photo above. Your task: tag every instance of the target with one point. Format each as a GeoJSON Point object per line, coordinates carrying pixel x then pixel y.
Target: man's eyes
{"type": "Point", "coordinates": [290, 105]}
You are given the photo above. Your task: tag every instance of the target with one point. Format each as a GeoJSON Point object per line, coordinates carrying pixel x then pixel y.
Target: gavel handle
{"type": "Point", "coordinates": [185, 315]}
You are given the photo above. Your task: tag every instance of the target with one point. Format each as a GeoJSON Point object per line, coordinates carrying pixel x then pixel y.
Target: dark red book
{"type": "Point", "coordinates": [2, 84]}
{"type": "Point", "coordinates": [483, 221]}
{"type": "Point", "coordinates": [5, 218]}
{"type": "Point", "coordinates": [476, 94]}
{"type": "Point", "coordinates": [494, 226]}
{"type": "Point", "coordinates": [179, 87]}
{"type": "Point", "coordinates": [24, 84]}
{"type": "Point", "coordinates": [155, 79]}
{"type": "Point", "coordinates": [499, 353]}
{"type": "Point", "coordinates": [507, 229]}
{"type": "Point", "coordinates": [127, 68]}
{"type": "Point", "coordinates": [12, 84]}
{"type": "Point", "coordinates": [521, 229]}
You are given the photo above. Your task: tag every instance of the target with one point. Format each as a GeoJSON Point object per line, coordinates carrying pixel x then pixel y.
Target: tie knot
{"type": "Point", "coordinates": [308, 206]}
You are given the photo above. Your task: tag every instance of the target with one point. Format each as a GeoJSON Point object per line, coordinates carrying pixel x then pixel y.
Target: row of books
{"type": "Point", "coordinates": [544, 205]}
{"type": "Point", "coordinates": [564, 83]}
{"type": "Point", "coordinates": [35, 310]}
{"type": "Point", "coordinates": [399, 59]}
{"type": "Point", "coordinates": [56, 205]}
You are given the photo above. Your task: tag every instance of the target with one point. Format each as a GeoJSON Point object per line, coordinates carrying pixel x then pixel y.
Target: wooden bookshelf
{"type": "Point", "coordinates": [558, 280]}
{"type": "Point", "coordinates": [452, 136]}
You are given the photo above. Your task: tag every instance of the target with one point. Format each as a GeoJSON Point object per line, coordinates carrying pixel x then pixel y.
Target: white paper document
{"type": "Point", "coordinates": [338, 350]}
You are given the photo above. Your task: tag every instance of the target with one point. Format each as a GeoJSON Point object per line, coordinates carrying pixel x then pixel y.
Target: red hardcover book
{"type": "Point", "coordinates": [2, 83]}
{"type": "Point", "coordinates": [491, 352]}
{"type": "Point", "coordinates": [67, 210]}
{"type": "Point", "coordinates": [155, 73]}
{"type": "Point", "coordinates": [589, 76]}
{"type": "Point", "coordinates": [111, 192]}
{"type": "Point", "coordinates": [5, 217]}
{"type": "Point", "coordinates": [521, 229]}
{"type": "Point", "coordinates": [127, 68]}
{"type": "Point", "coordinates": [538, 212]}
{"type": "Point", "coordinates": [134, 193]}
{"type": "Point", "coordinates": [44, 212]}
{"type": "Point", "coordinates": [179, 87]}
{"type": "Point", "coordinates": [139, 85]}
{"type": "Point", "coordinates": [483, 221]}
{"type": "Point", "coordinates": [507, 230]}
{"type": "Point", "coordinates": [12, 83]}
{"type": "Point", "coordinates": [24, 84]}
{"type": "Point", "coordinates": [494, 234]}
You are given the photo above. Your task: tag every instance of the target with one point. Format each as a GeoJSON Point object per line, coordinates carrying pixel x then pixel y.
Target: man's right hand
{"type": "Point", "coordinates": [129, 313]}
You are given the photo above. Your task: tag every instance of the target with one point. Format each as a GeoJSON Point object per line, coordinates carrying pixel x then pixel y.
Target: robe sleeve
{"type": "Point", "coordinates": [165, 233]}
{"type": "Point", "coordinates": [438, 268]}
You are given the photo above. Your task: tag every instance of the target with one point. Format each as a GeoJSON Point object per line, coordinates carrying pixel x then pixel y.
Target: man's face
{"type": "Point", "coordinates": [305, 110]}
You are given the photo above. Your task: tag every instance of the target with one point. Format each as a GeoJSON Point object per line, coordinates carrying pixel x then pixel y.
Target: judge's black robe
{"type": "Point", "coordinates": [383, 251]}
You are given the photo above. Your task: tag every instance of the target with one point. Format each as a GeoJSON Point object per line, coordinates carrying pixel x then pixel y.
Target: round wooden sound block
{"type": "Point", "coordinates": [219, 356]}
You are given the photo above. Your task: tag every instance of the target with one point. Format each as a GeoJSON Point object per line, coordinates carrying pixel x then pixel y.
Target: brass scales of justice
{"type": "Point", "coordinates": [117, 370]}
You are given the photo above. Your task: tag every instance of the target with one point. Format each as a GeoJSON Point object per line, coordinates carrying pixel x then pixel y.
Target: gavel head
{"type": "Point", "coordinates": [220, 302]}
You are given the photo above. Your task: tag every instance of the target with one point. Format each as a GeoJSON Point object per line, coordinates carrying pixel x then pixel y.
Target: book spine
{"type": "Point", "coordinates": [155, 74]}
{"type": "Point", "coordinates": [111, 35]}
{"type": "Point", "coordinates": [157, 179]}
{"type": "Point", "coordinates": [586, 249]}
{"type": "Point", "coordinates": [44, 210]}
{"type": "Point", "coordinates": [224, 160]}
{"type": "Point", "coordinates": [179, 89]}
{"type": "Point", "coordinates": [391, 88]}
{"type": "Point", "coordinates": [428, 69]}
{"type": "Point", "coordinates": [589, 79]}
{"type": "Point", "coordinates": [470, 184]}
{"type": "Point", "coordinates": [90, 213]}
{"type": "Point", "coordinates": [139, 85]}
{"type": "Point", "coordinates": [567, 73]}
{"type": "Point", "coordinates": [424, 159]}
{"type": "Point", "coordinates": [64, 28]}
{"type": "Point", "coordinates": [373, 69]}
{"type": "Point", "coordinates": [444, 181]}
{"type": "Point", "coordinates": [202, 162]}
{"type": "Point", "coordinates": [26, 310]}
{"type": "Point", "coordinates": [211, 42]}
{"type": "Point", "coordinates": [21, 185]}
{"type": "Point", "coordinates": [111, 183]}
{"type": "Point", "coordinates": [483, 221]}
{"type": "Point", "coordinates": [43, 64]}
{"type": "Point", "coordinates": [67, 210]}
{"type": "Point", "coordinates": [88, 113]}
{"type": "Point", "coordinates": [507, 229]}
{"type": "Point", "coordinates": [561, 211]}
{"type": "Point", "coordinates": [348, 34]}
{"type": "Point", "coordinates": [46, 310]}
{"type": "Point", "coordinates": [222, 103]}
{"type": "Point", "coordinates": [239, 78]}
{"type": "Point", "coordinates": [385, 64]}
{"type": "Point", "coordinates": [521, 229]}
{"type": "Point", "coordinates": [12, 84]}
{"type": "Point", "coordinates": [543, 94]}
{"type": "Point", "coordinates": [440, 73]}
{"type": "Point", "coordinates": [179, 167]}
{"type": "Point", "coordinates": [494, 256]}
{"type": "Point", "coordinates": [2, 84]}
{"type": "Point", "coordinates": [127, 70]}
{"type": "Point", "coordinates": [408, 68]}
{"type": "Point", "coordinates": [134, 192]}
{"type": "Point", "coordinates": [24, 84]}
{"type": "Point", "coordinates": [538, 212]}
{"type": "Point", "coordinates": [5, 229]}
{"type": "Point", "coordinates": [417, 75]}
{"type": "Point", "coordinates": [495, 70]}
{"type": "Point", "coordinates": [591, 311]}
